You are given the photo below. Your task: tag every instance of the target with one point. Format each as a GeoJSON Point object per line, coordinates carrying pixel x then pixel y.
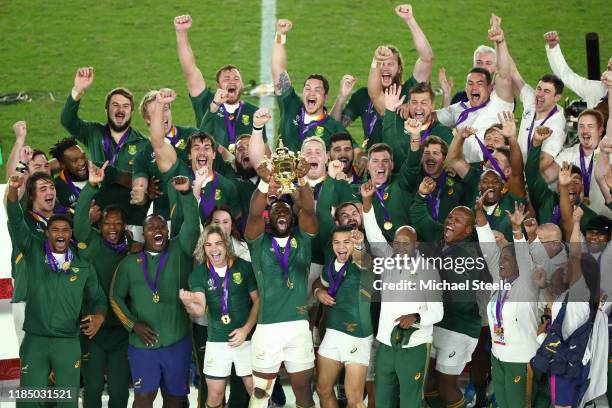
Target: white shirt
{"type": "Point", "coordinates": [590, 90]}
{"type": "Point", "coordinates": [572, 155]}
{"type": "Point", "coordinates": [231, 108]}
{"type": "Point", "coordinates": [394, 304]}
{"type": "Point", "coordinates": [241, 249]}
{"type": "Point", "coordinates": [520, 310]}
{"type": "Point", "coordinates": [80, 184]}
{"type": "Point", "coordinates": [481, 120]}
{"type": "Point", "coordinates": [556, 123]}
{"type": "Point", "coordinates": [60, 258]}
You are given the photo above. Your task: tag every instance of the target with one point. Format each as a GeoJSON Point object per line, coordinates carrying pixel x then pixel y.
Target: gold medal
{"type": "Point", "coordinates": [232, 148]}
{"type": "Point", "coordinates": [66, 265]}
{"type": "Point", "coordinates": [225, 319]}
{"type": "Point", "coordinates": [388, 225]}
{"type": "Point", "coordinates": [73, 278]}
{"type": "Point", "coordinates": [365, 143]}
{"type": "Point", "coordinates": [155, 297]}
{"type": "Point", "coordinates": [289, 284]}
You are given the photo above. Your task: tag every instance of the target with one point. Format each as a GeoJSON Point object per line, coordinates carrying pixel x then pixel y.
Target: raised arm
{"type": "Point", "coordinates": [346, 86]}
{"type": "Point", "coordinates": [19, 149]}
{"type": "Point", "coordinates": [428, 229]}
{"type": "Point", "coordinates": [375, 88]}
{"type": "Point", "coordinates": [257, 145]}
{"type": "Point", "coordinates": [503, 79]}
{"type": "Point", "coordinates": [602, 168]}
{"type": "Point", "coordinates": [575, 271]}
{"type": "Point", "coordinates": [21, 236]}
{"type": "Point", "coordinates": [565, 178]}
{"type": "Point", "coordinates": [279, 58]}
{"type": "Point", "coordinates": [517, 179]}
{"type": "Point", "coordinates": [190, 229]}
{"type": "Point", "coordinates": [589, 90]}
{"type": "Point", "coordinates": [455, 158]}
{"type": "Point", "coordinates": [486, 239]}
{"type": "Point", "coordinates": [82, 226]}
{"type": "Point", "coordinates": [165, 155]}
{"type": "Point", "coordinates": [69, 117]}
{"type": "Point", "coordinates": [423, 65]}
{"type": "Point", "coordinates": [307, 217]}
{"type": "Point", "coordinates": [195, 80]}
{"type": "Point", "coordinates": [446, 84]}
{"type": "Point", "coordinates": [255, 225]}
{"type": "Point", "coordinates": [378, 243]}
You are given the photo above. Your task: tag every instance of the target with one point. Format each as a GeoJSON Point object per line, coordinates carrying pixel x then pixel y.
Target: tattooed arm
{"type": "Point", "coordinates": [279, 58]}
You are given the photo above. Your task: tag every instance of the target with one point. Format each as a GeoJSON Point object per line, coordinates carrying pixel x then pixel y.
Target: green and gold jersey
{"type": "Point", "coordinates": [54, 298]}
{"type": "Point", "coordinates": [145, 166]}
{"type": "Point", "coordinates": [241, 283]}
{"type": "Point", "coordinates": [221, 123]}
{"type": "Point", "coordinates": [281, 299]}
{"type": "Point", "coordinates": [225, 193]}
{"type": "Point", "coordinates": [132, 297]}
{"type": "Point", "coordinates": [395, 135]}
{"type": "Point", "coordinates": [351, 313]}
{"type": "Point", "coordinates": [93, 247]}
{"type": "Point", "coordinates": [102, 147]}
{"type": "Point", "coordinates": [292, 129]}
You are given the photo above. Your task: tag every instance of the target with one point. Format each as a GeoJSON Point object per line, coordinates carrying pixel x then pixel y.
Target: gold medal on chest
{"type": "Point", "coordinates": [388, 225]}
{"type": "Point", "coordinates": [155, 297]}
{"type": "Point", "coordinates": [225, 319]}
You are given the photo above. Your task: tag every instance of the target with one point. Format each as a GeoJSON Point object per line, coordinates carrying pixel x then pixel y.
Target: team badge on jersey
{"type": "Point", "coordinates": [319, 131]}
{"type": "Point", "coordinates": [181, 144]}
{"type": "Point", "coordinates": [246, 120]}
{"type": "Point", "coordinates": [293, 242]}
{"type": "Point", "coordinates": [217, 195]}
{"type": "Point", "coordinates": [450, 181]}
{"type": "Point", "coordinates": [237, 278]}
{"type": "Point", "coordinates": [132, 150]}
{"type": "Point", "coordinates": [497, 212]}
{"type": "Point", "coordinates": [211, 284]}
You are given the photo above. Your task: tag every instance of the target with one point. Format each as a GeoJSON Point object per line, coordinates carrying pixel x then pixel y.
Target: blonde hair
{"type": "Point", "coordinates": [148, 98]}
{"type": "Point", "coordinates": [200, 254]}
{"type": "Point", "coordinates": [314, 139]}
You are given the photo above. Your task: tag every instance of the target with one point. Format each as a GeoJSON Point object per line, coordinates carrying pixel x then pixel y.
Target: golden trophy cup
{"type": "Point", "coordinates": [284, 164]}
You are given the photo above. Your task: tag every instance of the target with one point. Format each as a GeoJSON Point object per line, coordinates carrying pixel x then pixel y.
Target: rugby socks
{"type": "Point", "coordinates": [434, 400]}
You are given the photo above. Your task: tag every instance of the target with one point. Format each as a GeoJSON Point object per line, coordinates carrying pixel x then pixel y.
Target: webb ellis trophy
{"type": "Point", "coordinates": [284, 165]}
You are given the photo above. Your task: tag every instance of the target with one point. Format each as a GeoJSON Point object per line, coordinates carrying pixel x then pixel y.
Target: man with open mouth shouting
{"type": "Point", "coordinates": [146, 185]}
{"type": "Point", "coordinates": [300, 117]}
{"type": "Point", "coordinates": [104, 248]}
{"type": "Point", "coordinates": [73, 174]}
{"type": "Point", "coordinates": [224, 288]}
{"type": "Point", "coordinates": [455, 337]}
{"type": "Point", "coordinates": [484, 103]}
{"type": "Point", "coordinates": [222, 114]}
{"type": "Point", "coordinates": [281, 259]}
{"type": "Point", "coordinates": [209, 186]}
{"type": "Point", "coordinates": [59, 280]}
{"type": "Point", "coordinates": [159, 340]}
{"type": "Point", "coordinates": [367, 101]}
{"type": "Point", "coordinates": [115, 141]}
{"type": "Point", "coordinates": [397, 131]}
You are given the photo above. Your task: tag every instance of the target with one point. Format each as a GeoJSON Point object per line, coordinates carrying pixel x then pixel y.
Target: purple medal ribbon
{"type": "Point", "coordinates": [118, 248]}
{"type": "Point", "coordinates": [222, 290]}
{"type": "Point", "coordinates": [490, 216]}
{"type": "Point", "coordinates": [370, 118]}
{"type": "Point", "coordinates": [306, 128]}
{"type": "Point", "coordinates": [160, 266]}
{"type": "Point", "coordinates": [173, 138]}
{"type": "Point", "coordinates": [71, 185]}
{"type": "Point", "coordinates": [355, 178]}
{"type": "Point", "coordinates": [283, 259]}
{"type": "Point", "coordinates": [426, 133]}
{"type": "Point", "coordinates": [317, 190]}
{"type": "Point", "coordinates": [556, 214]}
{"type": "Point", "coordinates": [552, 112]}
{"type": "Point", "coordinates": [231, 127]}
{"type": "Point", "coordinates": [499, 304]}
{"type": "Point", "coordinates": [434, 202]}
{"type": "Point", "coordinates": [466, 111]}
{"type": "Point", "coordinates": [107, 147]}
{"type": "Point", "coordinates": [381, 199]}
{"type": "Point", "coordinates": [489, 157]}
{"type": "Point", "coordinates": [335, 283]}
{"type": "Point", "coordinates": [55, 267]}
{"type": "Point", "coordinates": [586, 175]}
{"type": "Point", "coordinates": [208, 204]}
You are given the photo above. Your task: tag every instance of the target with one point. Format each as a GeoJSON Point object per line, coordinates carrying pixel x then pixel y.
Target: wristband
{"type": "Point", "coordinates": [20, 169]}
{"type": "Point", "coordinates": [75, 94]}
{"type": "Point", "coordinates": [258, 128]}
{"type": "Point", "coordinates": [358, 247]}
{"type": "Point", "coordinates": [517, 232]}
{"type": "Point", "coordinates": [314, 292]}
{"type": "Point", "coordinates": [216, 103]}
{"type": "Point", "coordinates": [263, 187]}
{"type": "Point", "coordinates": [280, 39]}
{"type": "Point", "coordinates": [374, 63]}
{"type": "Point", "coordinates": [500, 41]}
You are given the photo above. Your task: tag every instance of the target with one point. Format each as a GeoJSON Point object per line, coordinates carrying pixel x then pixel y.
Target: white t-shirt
{"type": "Point", "coordinates": [572, 155]}
{"type": "Point", "coordinates": [556, 123]}
{"type": "Point", "coordinates": [481, 120]}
